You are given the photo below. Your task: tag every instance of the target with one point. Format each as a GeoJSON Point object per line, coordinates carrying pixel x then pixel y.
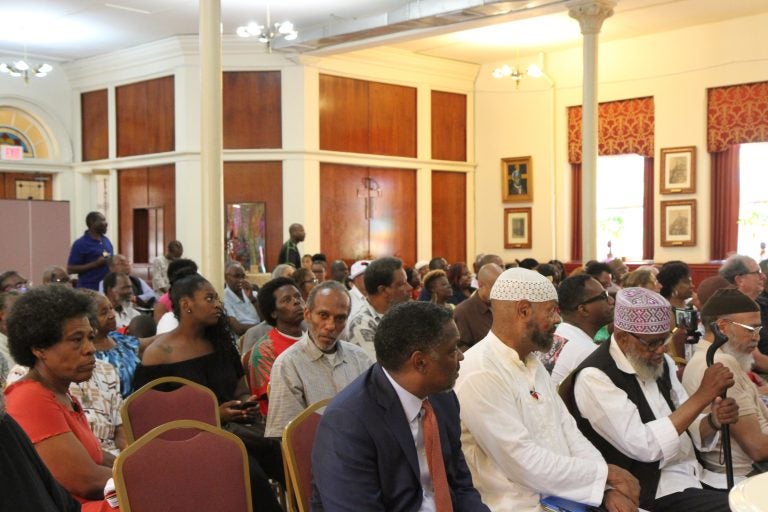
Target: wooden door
{"type": "Point", "coordinates": [449, 215]}
{"type": "Point", "coordinates": [393, 216]}
{"type": "Point", "coordinates": [343, 220]}
{"type": "Point", "coordinates": [367, 212]}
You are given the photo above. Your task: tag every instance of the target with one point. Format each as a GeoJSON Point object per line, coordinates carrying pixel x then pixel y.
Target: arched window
{"type": "Point", "coordinates": [18, 128]}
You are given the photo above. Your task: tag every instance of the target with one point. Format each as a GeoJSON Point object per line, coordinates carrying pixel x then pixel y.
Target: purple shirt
{"type": "Point", "coordinates": [85, 250]}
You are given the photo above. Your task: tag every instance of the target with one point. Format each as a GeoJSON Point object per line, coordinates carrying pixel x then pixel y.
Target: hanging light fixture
{"type": "Point", "coordinates": [23, 69]}
{"type": "Point", "coordinates": [269, 32]}
{"type": "Point", "coordinates": [533, 70]}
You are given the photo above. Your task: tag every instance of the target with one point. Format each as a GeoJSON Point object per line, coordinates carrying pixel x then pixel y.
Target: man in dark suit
{"type": "Point", "coordinates": [371, 451]}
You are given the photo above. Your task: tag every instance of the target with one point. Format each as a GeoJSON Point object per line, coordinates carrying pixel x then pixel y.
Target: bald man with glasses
{"type": "Point", "coordinates": [628, 402]}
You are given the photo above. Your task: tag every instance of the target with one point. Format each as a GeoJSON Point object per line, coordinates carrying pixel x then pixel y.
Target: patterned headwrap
{"type": "Point", "coordinates": [642, 311]}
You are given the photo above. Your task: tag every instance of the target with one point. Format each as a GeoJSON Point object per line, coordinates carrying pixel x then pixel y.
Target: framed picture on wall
{"type": "Point", "coordinates": [517, 228]}
{"type": "Point", "coordinates": [678, 170]}
{"type": "Point", "coordinates": [678, 223]}
{"type": "Point", "coordinates": [516, 180]}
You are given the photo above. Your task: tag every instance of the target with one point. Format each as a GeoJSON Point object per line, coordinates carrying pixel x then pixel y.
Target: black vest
{"type": "Point", "coordinates": [648, 473]}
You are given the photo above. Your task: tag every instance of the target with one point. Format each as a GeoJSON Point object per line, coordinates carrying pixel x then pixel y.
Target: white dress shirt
{"type": "Point", "coordinates": [519, 446]}
{"type": "Point", "coordinates": [616, 418]}
{"type": "Point", "coordinates": [412, 406]}
{"type": "Point", "coordinates": [574, 351]}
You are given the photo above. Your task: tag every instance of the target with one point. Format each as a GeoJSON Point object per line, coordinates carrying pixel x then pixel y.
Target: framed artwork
{"type": "Point", "coordinates": [516, 180]}
{"type": "Point", "coordinates": [678, 170]}
{"type": "Point", "coordinates": [517, 228]}
{"type": "Point", "coordinates": [245, 233]}
{"type": "Point", "coordinates": [678, 223]}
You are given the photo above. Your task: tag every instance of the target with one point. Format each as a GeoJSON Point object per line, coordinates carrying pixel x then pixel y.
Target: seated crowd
{"type": "Point", "coordinates": [452, 389]}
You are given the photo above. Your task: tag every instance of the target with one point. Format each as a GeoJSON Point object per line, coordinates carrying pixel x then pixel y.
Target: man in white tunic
{"type": "Point", "coordinates": [519, 440]}
{"type": "Point", "coordinates": [585, 307]}
{"type": "Point", "coordinates": [627, 400]}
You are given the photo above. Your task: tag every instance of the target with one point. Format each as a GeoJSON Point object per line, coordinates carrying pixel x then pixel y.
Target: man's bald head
{"type": "Point", "coordinates": [486, 277]}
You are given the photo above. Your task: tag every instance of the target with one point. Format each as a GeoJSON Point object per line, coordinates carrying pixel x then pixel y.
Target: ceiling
{"type": "Point", "coordinates": [476, 31]}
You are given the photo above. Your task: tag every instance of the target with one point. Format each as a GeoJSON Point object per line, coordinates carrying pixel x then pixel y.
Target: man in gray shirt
{"type": "Point", "coordinates": [317, 366]}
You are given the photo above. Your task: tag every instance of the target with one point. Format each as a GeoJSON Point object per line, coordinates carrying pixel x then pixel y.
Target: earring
{"type": "Point", "coordinates": [189, 311]}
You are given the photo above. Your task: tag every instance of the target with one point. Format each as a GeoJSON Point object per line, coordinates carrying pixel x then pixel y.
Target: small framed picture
{"type": "Point", "coordinates": [517, 228]}
{"type": "Point", "coordinates": [678, 170]}
{"type": "Point", "coordinates": [678, 223]}
{"type": "Point", "coordinates": [516, 180]}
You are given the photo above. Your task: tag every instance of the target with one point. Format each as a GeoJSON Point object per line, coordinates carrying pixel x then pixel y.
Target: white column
{"type": "Point", "coordinates": [211, 167]}
{"type": "Point", "coordinates": [590, 15]}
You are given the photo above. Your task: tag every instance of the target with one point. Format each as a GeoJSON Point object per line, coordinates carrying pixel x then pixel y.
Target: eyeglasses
{"type": "Point", "coordinates": [652, 345]}
{"type": "Point", "coordinates": [755, 272]}
{"type": "Point", "coordinates": [754, 331]}
{"type": "Point", "coordinates": [602, 296]}
{"type": "Point", "coordinates": [313, 281]}
{"type": "Point", "coordinates": [64, 279]}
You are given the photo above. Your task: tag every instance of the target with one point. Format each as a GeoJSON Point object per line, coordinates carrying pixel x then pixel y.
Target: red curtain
{"type": "Point", "coordinates": [736, 114]}
{"type": "Point", "coordinates": [648, 209]}
{"type": "Point", "coordinates": [623, 127]}
{"type": "Point", "coordinates": [725, 202]}
{"type": "Point", "coordinates": [576, 212]}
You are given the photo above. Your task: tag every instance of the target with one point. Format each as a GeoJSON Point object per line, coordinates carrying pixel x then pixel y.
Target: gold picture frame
{"type": "Point", "coordinates": [678, 170]}
{"type": "Point", "coordinates": [517, 228]}
{"type": "Point", "coordinates": [678, 223]}
{"type": "Point", "coordinates": [517, 179]}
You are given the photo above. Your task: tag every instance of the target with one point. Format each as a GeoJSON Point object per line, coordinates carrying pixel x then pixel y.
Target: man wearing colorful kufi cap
{"type": "Point", "coordinates": [738, 317]}
{"type": "Point", "coordinates": [627, 400]}
{"type": "Point", "coordinates": [519, 440]}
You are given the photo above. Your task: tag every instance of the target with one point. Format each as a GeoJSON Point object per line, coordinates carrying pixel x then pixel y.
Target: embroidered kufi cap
{"type": "Point", "coordinates": [642, 311]}
{"type": "Point", "coordinates": [518, 283]}
{"type": "Point", "coordinates": [728, 301]}
{"type": "Point", "coordinates": [358, 268]}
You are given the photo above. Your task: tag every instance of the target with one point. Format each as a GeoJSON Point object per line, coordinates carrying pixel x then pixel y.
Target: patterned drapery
{"type": "Point", "coordinates": [623, 127]}
{"type": "Point", "coordinates": [736, 114]}
{"type": "Point", "coordinates": [725, 202]}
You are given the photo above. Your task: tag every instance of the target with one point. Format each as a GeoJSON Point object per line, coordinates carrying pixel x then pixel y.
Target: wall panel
{"type": "Point", "coordinates": [344, 121]}
{"type": "Point", "coordinates": [145, 117]}
{"type": "Point", "coordinates": [252, 110]}
{"type": "Point", "coordinates": [249, 182]}
{"type": "Point", "coordinates": [449, 215]}
{"type": "Point", "coordinates": [392, 120]}
{"type": "Point", "coordinates": [344, 232]}
{"type": "Point", "coordinates": [449, 126]}
{"type": "Point", "coordinates": [94, 125]}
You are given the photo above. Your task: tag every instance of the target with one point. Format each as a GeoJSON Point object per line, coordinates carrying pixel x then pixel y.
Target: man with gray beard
{"type": "Point", "coordinates": [628, 402]}
{"type": "Point", "coordinates": [519, 441]}
{"type": "Point", "coordinates": [738, 317]}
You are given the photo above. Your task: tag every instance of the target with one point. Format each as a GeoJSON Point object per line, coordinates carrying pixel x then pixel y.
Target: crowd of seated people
{"type": "Point", "coordinates": [583, 387]}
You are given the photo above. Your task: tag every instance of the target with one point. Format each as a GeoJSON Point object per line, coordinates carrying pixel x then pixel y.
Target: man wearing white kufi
{"type": "Point", "coordinates": [520, 442]}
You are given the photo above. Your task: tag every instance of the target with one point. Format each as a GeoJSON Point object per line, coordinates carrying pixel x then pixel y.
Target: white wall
{"type": "Point", "coordinates": [674, 67]}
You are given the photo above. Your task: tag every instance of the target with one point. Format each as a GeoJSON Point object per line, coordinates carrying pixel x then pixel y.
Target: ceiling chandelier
{"type": "Point", "coordinates": [22, 68]}
{"type": "Point", "coordinates": [515, 74]}
{"type": "Point", "coordinates": [269, 32]}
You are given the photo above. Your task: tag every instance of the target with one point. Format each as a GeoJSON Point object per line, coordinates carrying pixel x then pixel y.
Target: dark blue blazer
{"type": "Point", "coordinates": [364, 457]}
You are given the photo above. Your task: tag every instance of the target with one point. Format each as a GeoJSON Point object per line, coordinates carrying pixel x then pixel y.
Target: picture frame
{"type": "Point", "coordinates": [517, 179]}
{"type": "Point", "coordinates": [678, 223]}
{"type": "Point", "coordinates": [245, 234]}
{"type": "Point", "coordinates": [517, 228]}
{"type": "Point", "coordinates": [678, 170]}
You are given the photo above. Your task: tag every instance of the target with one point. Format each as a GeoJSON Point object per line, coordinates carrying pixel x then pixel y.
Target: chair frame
{"type": "Point", "coordinates": [157, 432]}
{"type": "Point", "coordinates": [129, 435]}
{"type": "Point", "coordinates": [293, 489]}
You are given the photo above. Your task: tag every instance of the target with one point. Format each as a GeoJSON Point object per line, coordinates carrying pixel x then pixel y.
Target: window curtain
{"type": "Point", "coordinates": [736, 114]}
{"type": "Point", "coordinates": [623, 127]}
{"type": "Point", "coordinates": [648, 209]}
{"type": "Point", "coordinates": [575, 212]}
{"type": "Point", "coordinates": [724, 224]}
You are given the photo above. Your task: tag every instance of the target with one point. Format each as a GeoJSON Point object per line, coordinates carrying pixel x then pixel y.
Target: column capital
{"type": "Point", "coordinates": [591, 13]}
